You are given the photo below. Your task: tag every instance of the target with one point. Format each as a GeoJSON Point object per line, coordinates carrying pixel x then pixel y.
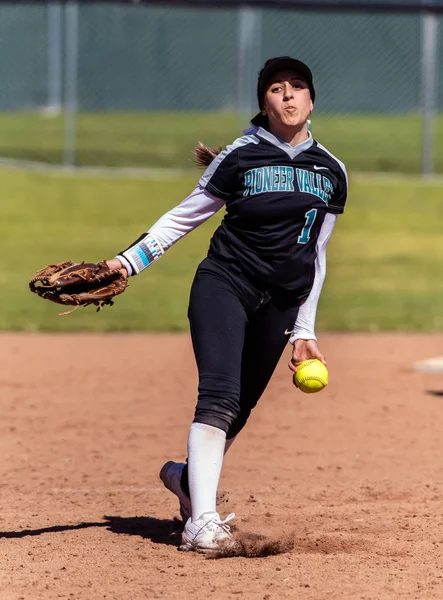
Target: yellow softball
{"type": "Point", "coordinates": [311, 376]}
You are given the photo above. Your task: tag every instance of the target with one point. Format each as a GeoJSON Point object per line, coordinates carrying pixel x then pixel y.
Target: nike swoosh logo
{"type": "Point", "coordinates": [288, 332]}
{"type": "Point", "coordinates": [320, 168]}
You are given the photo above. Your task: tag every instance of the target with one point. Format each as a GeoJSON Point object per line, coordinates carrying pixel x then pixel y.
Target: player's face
{"type": "Point", "coordinates": [287, 101]}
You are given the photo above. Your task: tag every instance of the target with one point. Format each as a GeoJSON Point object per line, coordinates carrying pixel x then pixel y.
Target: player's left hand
{"type": "Point", "coordinates": [304, 350]}
{"type": "Point", "coordinates": [79, 283]}
{"type": "Point", "coordinates": [114, 263]}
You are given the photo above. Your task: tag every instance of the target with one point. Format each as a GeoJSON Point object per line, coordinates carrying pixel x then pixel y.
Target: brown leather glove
{"type": "Point", "coordinates": [78, 284]}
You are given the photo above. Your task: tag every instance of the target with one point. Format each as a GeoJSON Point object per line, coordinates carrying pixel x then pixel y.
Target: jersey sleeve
{"type": "Point", "coordinates": [338, 200]}
{"type": "Point", "coordinates": [221, 178]}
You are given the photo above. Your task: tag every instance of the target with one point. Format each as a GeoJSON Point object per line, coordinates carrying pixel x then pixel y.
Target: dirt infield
{"type": "Point", "coordinates": [351, 477]}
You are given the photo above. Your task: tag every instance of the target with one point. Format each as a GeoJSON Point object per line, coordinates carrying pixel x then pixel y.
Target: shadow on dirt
{"type": "Point", "coordinates": [168, 532]}
{"type": "Point", "coordinates": [53, 529]}
{"type": "Point", "coordinates": [159, 531]}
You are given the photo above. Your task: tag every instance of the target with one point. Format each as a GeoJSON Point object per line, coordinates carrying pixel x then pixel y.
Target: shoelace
{"type": "Point", "coordinates": [223, 524]}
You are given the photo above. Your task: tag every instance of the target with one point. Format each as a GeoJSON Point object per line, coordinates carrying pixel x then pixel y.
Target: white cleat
{"type": "Point", "coordinates": [170, 474]}
{"type": "Point", "coordinates": [207, 533]}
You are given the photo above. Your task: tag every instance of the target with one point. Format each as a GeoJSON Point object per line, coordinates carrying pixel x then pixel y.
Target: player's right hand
{"type": "Point", "coordinates": [304, 350]}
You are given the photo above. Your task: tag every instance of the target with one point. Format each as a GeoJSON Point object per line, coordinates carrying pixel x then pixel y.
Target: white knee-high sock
{"type": "Point", "coordinates": [206, 446]}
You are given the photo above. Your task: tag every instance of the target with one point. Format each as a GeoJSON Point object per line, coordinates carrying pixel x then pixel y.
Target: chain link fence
{"type": "Point", "coordinates": [119, 85]}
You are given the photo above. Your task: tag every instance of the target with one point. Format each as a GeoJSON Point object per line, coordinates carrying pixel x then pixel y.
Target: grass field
{"type": "Point", "coordinates": [368, 143]}
{"type": "Point", "coordinates": [385, 257]}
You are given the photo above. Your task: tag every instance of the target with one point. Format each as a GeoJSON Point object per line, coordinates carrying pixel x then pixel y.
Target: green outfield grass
{"type": "Point", "coordinates": [364, 142]}
{"type": "Point", "coordinates": [385, 257]}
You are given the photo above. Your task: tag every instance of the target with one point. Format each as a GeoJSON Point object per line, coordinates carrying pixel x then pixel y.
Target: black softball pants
{"type": "Point", "coordinates": [239, 332]}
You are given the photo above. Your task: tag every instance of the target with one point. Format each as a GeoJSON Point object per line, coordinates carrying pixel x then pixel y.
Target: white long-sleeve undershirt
{"type": "Point", "coordinates": [304, 328]}
{"type": "Point", "coordinates": [194, 210]}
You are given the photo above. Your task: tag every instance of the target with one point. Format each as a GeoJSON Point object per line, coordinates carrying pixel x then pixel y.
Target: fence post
{"type": "Point", "coordinates": [54, 101]}
{"type": "Point", "coordinates": [248, 57]}
{"type": "Point", "coordinates": [71, 63]}
{"type": "Point", "coordinates": [428, 89]}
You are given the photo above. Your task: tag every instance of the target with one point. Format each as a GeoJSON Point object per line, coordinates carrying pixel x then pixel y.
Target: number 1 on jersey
{"type": "Point", "coordinates": [303, 238]}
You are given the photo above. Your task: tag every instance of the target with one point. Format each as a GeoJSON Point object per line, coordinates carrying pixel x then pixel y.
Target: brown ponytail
{"type": "Point", "coordinates": [204, 155]}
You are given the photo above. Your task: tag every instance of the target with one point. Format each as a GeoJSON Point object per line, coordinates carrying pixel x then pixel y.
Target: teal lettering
{"type": "Point", "coordinates": [258, 181]}
{"type": "Point", "coordinates": [283, 184]}
{"type": "Point", "coordinates": [313, 183]}
{"type": "Point", "coordinates": [275, 179]}
{"type": "Point", "coordinates": [314, 188]}
{"type": "Point", "coordinates": [248, 182]}
{"type": "Point", "coordinates": [299, 173]}
{"type": "Point", "coordinates": [306, 186]}
{"type": "Point", "coordinates": [322, 193]}
{"type": "Point", "coordinates": [290, 179]}
{"type": "Point", "coordinates": [319, 186]}
{"type": "Point", "coordinates": [269, 179]}
{"type": "Point", "coordinates": [254, 181]}
{"type": "Point", "coordinates": [327, 185]}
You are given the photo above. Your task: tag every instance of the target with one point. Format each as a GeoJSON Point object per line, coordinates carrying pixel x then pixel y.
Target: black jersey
{"type": "Point", "coordinates": [276, 200]}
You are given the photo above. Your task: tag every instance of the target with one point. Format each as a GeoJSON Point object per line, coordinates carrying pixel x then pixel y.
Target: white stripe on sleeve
{"type": "Point", "coordinates": [304, 328]}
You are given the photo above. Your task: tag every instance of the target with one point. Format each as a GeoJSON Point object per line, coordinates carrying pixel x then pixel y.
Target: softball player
{"type": "Point", "coordinates": [260, 283]}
